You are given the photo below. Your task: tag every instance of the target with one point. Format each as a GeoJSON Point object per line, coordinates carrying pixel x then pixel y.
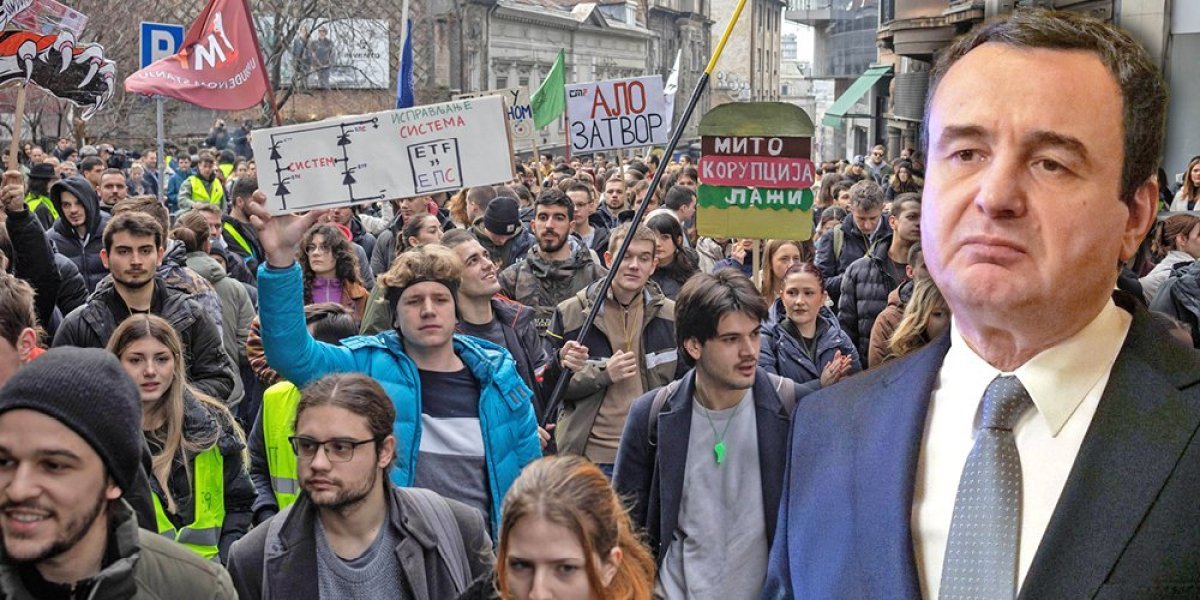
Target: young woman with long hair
{"type": "Point", "coordinates": [420, 230]}
{"type": "Point", "coordinates": [565, 534]}
{"type": "Point", "coordinates": [902, 182]}
{"type": "Point", "coordinates": [804, 341]}
{"type": "Point", "coordinates": [330, 268]}
{"type": "Point", "coordinates": [926, 316]}
{"type": "Point", "coordinates": [1173, 240]}
{"type": "Point", "coordinates": [1188, 196]}
{"type": "Point", "coordinates": [778, 257]}
{"type": "Point", "coordinates": [676, 262]}
{"type": "Point", "coordinates": [203, 497]}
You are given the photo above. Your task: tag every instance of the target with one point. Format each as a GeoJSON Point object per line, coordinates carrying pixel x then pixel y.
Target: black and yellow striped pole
{"type": "Point", "coordinates": [555, 400]}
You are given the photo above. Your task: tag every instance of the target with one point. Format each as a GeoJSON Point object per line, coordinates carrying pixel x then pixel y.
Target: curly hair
{"type": "Point", "coordinates": [345, 259]}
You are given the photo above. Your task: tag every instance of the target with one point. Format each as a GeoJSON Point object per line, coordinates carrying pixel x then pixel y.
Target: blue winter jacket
{"type": "Point", "coordinates": [505, 404]}
{"type": "Point", "coordinates": [781, 353]}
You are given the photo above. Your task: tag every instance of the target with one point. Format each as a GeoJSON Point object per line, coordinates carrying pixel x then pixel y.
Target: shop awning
{"type": "Point", "coordinates": [845, 102]}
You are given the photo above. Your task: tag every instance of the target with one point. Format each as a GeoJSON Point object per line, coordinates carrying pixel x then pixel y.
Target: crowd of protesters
{"type": "Point", "coordinates": [204, 400]}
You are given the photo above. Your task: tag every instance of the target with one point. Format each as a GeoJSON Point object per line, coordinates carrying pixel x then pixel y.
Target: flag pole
{"type": "Point", "coordinates": [555, 399]}
{"type": "Point", "coordinates": [162, 157]}
{"type": "Point", "coordinates": [263, 64]}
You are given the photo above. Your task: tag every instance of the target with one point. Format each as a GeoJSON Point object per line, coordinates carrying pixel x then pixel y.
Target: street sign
{"type": "Point", "coordinates": [756, 172]}
{"type": "Point", "coordinates": [158, 40]}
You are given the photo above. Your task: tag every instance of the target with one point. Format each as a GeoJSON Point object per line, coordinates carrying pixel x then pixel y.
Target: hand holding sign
{"type": "Point", "coordinates": [280, 235]}
{"type": "Point", "coordinates": [12, 192]}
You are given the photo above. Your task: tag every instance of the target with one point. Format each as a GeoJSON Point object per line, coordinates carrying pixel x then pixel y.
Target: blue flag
{"type": "Point", "coordinates": [404, 78]}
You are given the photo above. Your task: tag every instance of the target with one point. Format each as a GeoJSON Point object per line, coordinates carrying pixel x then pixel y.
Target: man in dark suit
{"type": "Point", "coordinates": [1046, 445]}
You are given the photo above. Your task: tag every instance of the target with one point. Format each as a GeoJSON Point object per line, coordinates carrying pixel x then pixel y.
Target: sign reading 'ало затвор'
{"type": "Point", "coordinates": [619, 113]}
{"type": "Point", "coordinates": [384, 155]}
{"type": "Point", "coordinates": [756, 172]}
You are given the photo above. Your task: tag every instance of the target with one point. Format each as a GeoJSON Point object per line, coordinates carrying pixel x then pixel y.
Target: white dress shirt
{"type": "Point", "coordinates": [1065, 383]}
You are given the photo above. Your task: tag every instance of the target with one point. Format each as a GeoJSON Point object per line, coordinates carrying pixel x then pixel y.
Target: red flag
{"type": "Point", "coordinates": [219, 65]}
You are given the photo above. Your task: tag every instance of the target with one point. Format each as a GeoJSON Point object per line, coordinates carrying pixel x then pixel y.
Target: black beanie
{"type": "Point", "coordinates": [502, 216]}
{"type": "Point", "coordinates": [87, 390]}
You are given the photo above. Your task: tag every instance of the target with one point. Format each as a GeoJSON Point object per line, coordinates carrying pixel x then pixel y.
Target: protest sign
{"type": "Point", "coordinates": [618, 113]}
{"type": "Point", "coordinates": [756, 172]}
{"type": "Point", "coordinates": [516, 106]}
{"type": "Point", "coordinates": [42, 16]}
{"type": "Point", "coordinates": [384, 155]}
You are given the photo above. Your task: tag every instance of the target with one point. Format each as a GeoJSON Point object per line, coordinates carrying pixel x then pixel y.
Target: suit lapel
{"type": "Point", "coordinates": [1141, 428]}
{"type": "Point", "coordinates": [884, 472]}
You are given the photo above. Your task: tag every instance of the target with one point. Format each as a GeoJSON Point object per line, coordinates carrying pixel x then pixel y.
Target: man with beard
{"type": "Point", "coordinates": [558, 267]}
{"type": "Point", "coordinates": [70, 451]}
{"type": "Point", "coordinates": [133, 250]}
{"type": "Point", "coordinates": [352, 530]}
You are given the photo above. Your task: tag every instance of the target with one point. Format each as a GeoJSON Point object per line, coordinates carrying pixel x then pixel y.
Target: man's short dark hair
{"type": "Point", "coordinates": [481, 195]}
{"type": "Point", "coordinates": [705, 298]}
{"type": "Point", "coordinates": [1143, 91]}
{"type": "Point", "coordinates": [148, 205]}
{"type": "Point", "coordinates": [553, 196]}
{"type": "Point", "coordinates": [90, 162]}
{"type": "Point", "coordinates": [112, 171]}
{"type": "Point", "coordinates": [901, 201]}
{"type": "Point", "coordinates": [137, 224]}
{"type": "Point", "coordinates": [679, 196]}
{"type": "Point", "coordinates": [579, 186]}
{"type": "Point", "coordinates": [243, 187]}
{"type": "Point", "coordinates": [457, 237]}
{"type": "Point", "coordinates": [866, 195]}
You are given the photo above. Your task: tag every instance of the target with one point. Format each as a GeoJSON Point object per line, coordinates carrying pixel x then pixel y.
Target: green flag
{"type": "Point", "coordinates": [549, 101]}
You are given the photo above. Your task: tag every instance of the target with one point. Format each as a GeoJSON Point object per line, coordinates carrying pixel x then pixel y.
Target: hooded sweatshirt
{"type": "Point", "coordinates": [83, 250]}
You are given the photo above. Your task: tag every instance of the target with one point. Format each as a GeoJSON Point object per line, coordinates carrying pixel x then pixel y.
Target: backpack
{"type": "Point", "coordinates": [785, 388]}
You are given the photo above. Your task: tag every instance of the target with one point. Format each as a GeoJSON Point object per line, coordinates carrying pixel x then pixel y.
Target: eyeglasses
{"type": "Point", "coordinates": [315, 248]}
{"type": "Point", "coordinates": [336, 450]}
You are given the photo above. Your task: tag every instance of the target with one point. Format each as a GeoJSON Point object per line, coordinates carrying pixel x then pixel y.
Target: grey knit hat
{"type": "Point", "coordinates": [87, 390]}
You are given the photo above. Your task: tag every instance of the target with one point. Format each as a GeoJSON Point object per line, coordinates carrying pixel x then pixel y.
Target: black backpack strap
{"type": "Point", "coordinates": [660, 399]}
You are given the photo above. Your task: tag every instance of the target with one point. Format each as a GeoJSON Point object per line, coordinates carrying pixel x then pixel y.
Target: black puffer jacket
{"type": "Point", "coordinates": [85, 251]}
{"type": "Point", "coordinates": [865, 288]}
{"type": "Point", "coordinates": [855, 244]}
{"type": "Point", "coordinates": [201, 422]}
{"type": "Point", "coordinates": [208, 367]}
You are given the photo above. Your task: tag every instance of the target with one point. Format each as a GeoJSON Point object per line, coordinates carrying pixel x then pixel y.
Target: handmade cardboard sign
{"type": "Point", "coordinates": [384, 155]}
{"type": "Point", "coordinates": [516, 106]}
{"type": "Point", "coordinates": [618, 113]}
{"type": "Point", "coordinates": [756, 172]}
{"type": "Point", "coordinates": [75, 72]}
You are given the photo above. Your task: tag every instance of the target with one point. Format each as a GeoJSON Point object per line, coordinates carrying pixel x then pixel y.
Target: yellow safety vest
{"type": "Point", "coordinates": [199, 194]}
{"type": "Point", "coordinates": [237, 237]}
{"type": "Point", "coordinates": [208, 489]}
{"type": "Point", "coordinates": [33, 202]}
{"type": "Point", "coordinates": [226, 169]}
{"type": "Point", "coordinates": [278, 424]}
